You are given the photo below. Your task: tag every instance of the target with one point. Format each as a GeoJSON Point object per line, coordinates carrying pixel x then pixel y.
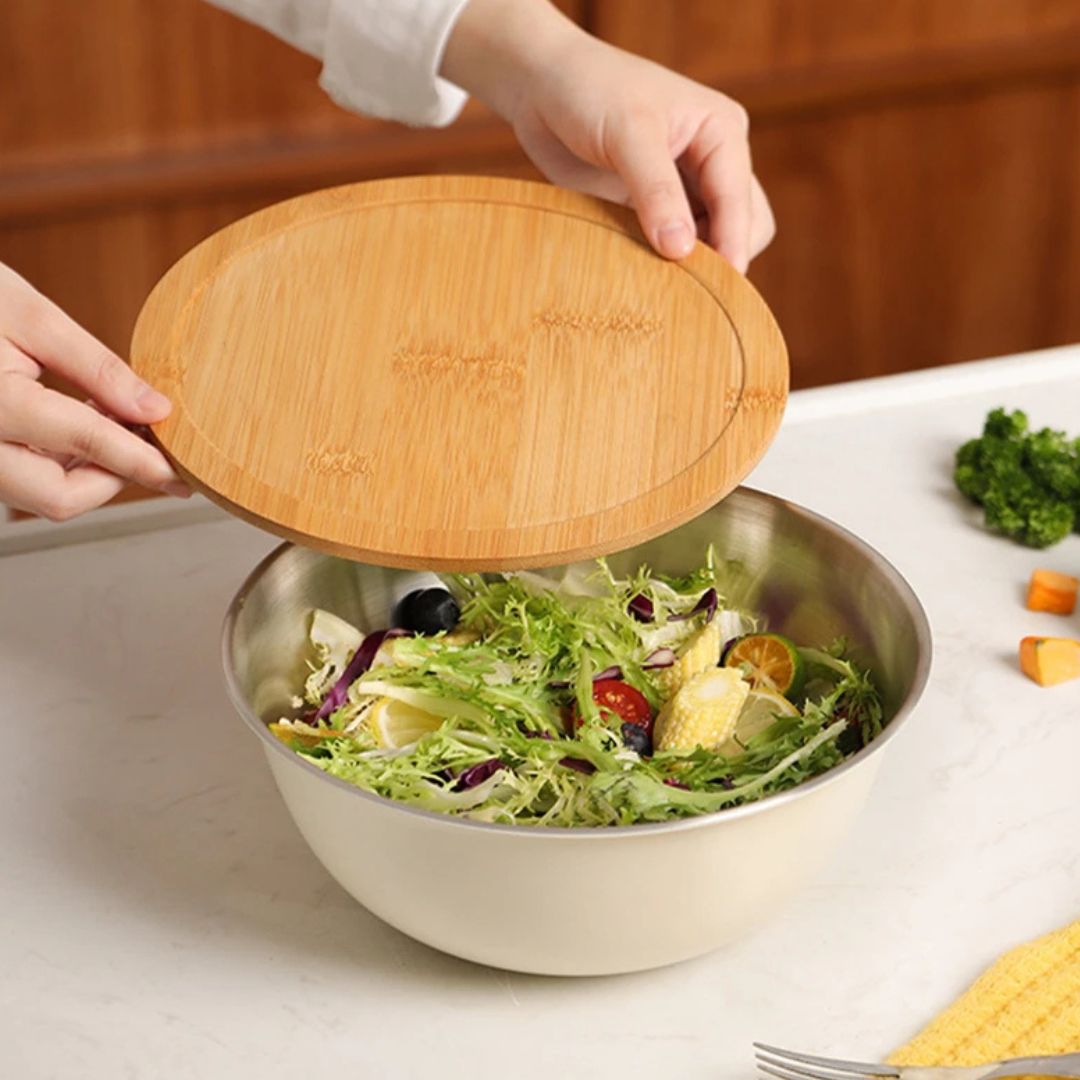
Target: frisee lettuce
{"type": "Point", "coordinates": [505, 695]}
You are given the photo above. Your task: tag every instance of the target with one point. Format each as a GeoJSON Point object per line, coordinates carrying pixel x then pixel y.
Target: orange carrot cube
{"type": "Point", "coordinates": [1050, 660]}
{"type": "Point", "coordinates": [1053, 592]}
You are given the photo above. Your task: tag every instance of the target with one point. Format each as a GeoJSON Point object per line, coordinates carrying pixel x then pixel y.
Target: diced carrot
{"type": "Point", "coordinates": [1050, 660]}
{"type": "Point", "coordinates": [1053, 592]}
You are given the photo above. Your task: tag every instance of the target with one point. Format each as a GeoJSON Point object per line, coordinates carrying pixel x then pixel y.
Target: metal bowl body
{"type": "Point", "coordinates": [553, 901]}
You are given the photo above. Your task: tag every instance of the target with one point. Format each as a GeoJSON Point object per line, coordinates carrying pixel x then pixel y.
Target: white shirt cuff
{"type": "Point", "coordinates": [382, 59]}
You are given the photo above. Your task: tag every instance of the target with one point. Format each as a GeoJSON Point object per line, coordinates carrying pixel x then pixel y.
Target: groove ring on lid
{"type": "Point", "coordinates": [459, 372]}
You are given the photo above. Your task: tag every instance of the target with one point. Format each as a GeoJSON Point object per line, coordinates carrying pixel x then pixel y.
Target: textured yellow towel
{"type": "Point", "coordinates": [1027, 1003]}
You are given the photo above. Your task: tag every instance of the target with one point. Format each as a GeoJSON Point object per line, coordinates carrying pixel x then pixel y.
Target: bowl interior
{"type": "Point", "coordinates": [812, 581]}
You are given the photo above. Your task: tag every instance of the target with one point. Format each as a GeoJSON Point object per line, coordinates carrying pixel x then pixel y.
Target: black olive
{"type": "Point", "coordinates": [428, 611]}
{"type": "Point", "coordinates": [636, 738]}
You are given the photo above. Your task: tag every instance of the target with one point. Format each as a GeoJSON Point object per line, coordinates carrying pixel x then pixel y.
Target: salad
{"type": "Point", "coordinates": [587, 701]}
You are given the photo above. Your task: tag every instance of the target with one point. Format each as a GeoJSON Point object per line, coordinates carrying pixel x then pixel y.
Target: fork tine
{"type": "Point", "coordinates": [780, 1074]}
{"type": "Point", "coordinates": [786, 1057]}
{"type": "Point", "coordinates": [790, 1071]}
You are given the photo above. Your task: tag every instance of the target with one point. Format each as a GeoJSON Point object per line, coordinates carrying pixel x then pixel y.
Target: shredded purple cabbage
{"type": "Point", "coordinates": [660, 659]}
{"type": "Point", "coordinates": [607, 673]}
{"type": "Point", "coordinates": [361, 661]}
{"type": "Point", "coordinates": [586, 767]}
{"type": "Point", "coordinates": [475, 775]}
{"type": "Point", "coordinates": [708, 603]}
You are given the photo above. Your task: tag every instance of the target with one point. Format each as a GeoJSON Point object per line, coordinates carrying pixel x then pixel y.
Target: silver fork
{"type": "Point", "coordinates": [787, 1065]}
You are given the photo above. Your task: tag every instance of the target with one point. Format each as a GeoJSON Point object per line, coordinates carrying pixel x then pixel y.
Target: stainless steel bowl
{"type": "Point", "coordinates": [551, 900]}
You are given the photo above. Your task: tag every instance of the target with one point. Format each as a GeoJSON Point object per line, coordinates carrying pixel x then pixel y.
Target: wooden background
{"type": "Point", "coordinates": [922, 156]}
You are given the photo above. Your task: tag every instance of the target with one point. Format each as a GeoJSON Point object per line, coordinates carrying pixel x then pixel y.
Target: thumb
{"type": "Point", "coordinates": [641, 157]}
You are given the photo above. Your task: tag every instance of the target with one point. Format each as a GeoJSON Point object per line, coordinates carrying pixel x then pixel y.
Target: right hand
{"type": "Point", "coordinates": [60, 457]}
{"type": "Point", "coordinates": [611, 124]}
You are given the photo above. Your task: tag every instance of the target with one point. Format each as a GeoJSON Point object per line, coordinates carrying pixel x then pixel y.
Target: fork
{"type": "Point", "coordinates": [787, 1065]}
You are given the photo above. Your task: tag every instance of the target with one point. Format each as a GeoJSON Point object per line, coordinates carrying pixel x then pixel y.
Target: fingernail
{"type": "Point", "coordinates": [178, 489]}
{"type": "Point", "coordinates": [149, 400]}
{"type": "Point", "coordinates": [675, 239]}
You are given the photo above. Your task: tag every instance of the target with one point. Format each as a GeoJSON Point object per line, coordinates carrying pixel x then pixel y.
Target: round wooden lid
{"type": "Point", "coordinates": [459, 372]}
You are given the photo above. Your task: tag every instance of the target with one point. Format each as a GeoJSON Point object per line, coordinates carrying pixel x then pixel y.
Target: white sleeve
{"type": "Point", "coordinates": [380, 57]}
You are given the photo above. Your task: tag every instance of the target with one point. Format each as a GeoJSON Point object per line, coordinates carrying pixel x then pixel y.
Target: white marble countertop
{"type": "Point", "coordinates": [162, 917]}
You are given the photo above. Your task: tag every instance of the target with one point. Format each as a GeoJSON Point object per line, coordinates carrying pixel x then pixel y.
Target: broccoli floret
{"type": "Point", "coordinates": [970, 474]}
{"type": "Point", "coordinates": [1028, 483]}
{"type": "Point", "coordinates": [1003, 425]}
{"type": "Point", "coordinates": [1051, 457]}
{"type": "Point", "coordinates": [1030, 515]}
{"type": "Point", "coordinates": [1049, 523]}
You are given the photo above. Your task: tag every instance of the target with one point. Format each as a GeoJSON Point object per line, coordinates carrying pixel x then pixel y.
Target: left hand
{"type": "Point", "coordinates": [611, 124]}
{"type": "Point", "coordinates": [60, 457]}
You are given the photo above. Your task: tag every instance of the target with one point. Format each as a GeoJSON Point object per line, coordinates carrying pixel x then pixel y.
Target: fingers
{"type": "Point", "coordinates": [43, 332]}
{"type": "Point", "coordinates": [32, 416]}
{"type": "Point", "coordinates": [39, 485]}
{"type": "Point", "coordinates": [639, 152]}
{"type": "Point", "coordinates": [717, 171]}
{"type": "Point", "coordinates": [59, 458]}
{"type": "Point", "coordinates": [15, 362]}
{"type": "Point", "coordinates": [562, 166]}
{"type": "Point", "coordinates": [762, 224]}
{"type": "Point", "coordinates": [721, 154]}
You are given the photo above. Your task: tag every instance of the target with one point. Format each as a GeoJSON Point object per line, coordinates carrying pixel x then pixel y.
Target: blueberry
{"type": "Point", "coordinates": [636, 738]}
{"type": "Point", "coordinates": [428, 611]}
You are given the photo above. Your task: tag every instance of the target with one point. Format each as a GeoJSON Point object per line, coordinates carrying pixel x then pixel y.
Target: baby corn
{"type": "Point", "coordinates": [703, 712]}
{"type": "Point", "coordinates": [699, 654]}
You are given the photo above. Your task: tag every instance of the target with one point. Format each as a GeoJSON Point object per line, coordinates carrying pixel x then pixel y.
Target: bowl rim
{"type": "Point", "coordinates": [596, 832]}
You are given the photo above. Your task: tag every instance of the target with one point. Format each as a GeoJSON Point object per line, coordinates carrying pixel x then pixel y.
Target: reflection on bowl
{"type": "Point", "coordinates": [555, 901]}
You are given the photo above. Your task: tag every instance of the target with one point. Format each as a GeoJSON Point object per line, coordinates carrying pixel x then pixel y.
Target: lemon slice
{"type": "Point", "coordinates": [759, 713]}
{"type": "Point", "coordinates": [395, 724]}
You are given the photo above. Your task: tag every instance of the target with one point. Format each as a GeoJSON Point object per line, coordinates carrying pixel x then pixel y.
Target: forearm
{"type": "Point", "coordinates": [496, 45]}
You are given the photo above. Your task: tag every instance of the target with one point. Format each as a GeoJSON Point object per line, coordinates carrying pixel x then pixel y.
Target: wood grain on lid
{"type": "Point", "coordinates": [459, 372]}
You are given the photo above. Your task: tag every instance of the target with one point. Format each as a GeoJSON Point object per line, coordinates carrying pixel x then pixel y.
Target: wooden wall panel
{"type": "Point", "coordinates": [922, 159]}
{"type": "Point", "coordinates": [910, 237]}
{"type": "Point", "coordinates": [721, 42]}
{"type": "Point", "coordinates": [112, 75]}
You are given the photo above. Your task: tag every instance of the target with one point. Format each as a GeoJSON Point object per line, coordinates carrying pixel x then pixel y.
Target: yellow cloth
{"type": "Point", "coordinates": [1027, 1003]}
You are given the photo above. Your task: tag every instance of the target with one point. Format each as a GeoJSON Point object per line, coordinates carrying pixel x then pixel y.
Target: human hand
{"type": "Point", "coordinates": [611, 124]}
{"type": "Point", "coordinates": [59, 457]}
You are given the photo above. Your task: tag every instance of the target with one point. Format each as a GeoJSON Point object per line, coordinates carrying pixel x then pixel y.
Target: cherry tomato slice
{"type": "Point", "coordinates": [619, 699]}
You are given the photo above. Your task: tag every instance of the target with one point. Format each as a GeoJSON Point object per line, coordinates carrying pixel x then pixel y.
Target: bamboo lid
{"type": "Point", "coordinates": [459, 372]}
